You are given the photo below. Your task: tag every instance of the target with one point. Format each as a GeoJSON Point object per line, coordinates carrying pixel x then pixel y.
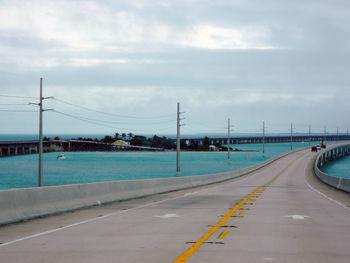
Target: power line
{"type": "Point", "coordinates": [98, 122]}
{"type": "Point", "coordinates": [18, 111]}
{"type": "Point", "coordinates": [117, 122]}
{"type": "Point", "coordinates": [20, 97]}
{"type": "Point", "coordinates": [111, 114]}
{"type": "Point", "coordinates": [14, 104]}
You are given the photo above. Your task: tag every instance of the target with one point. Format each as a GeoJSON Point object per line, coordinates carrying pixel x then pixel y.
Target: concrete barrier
{"type": "Point", "coordinates": [332, 154]}
{"type": "Point", "coordinates": [22, 204]}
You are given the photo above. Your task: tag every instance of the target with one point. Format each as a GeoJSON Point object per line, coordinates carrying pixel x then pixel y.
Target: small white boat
{"type": "Point", "coordinates": [61, 156]}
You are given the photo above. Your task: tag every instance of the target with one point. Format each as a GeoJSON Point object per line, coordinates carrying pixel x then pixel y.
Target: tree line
{"type": "Point", "coordinates": [154, 142]}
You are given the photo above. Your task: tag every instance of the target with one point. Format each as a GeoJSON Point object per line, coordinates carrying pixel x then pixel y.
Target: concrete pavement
{"type": "Point", "coordinates": [274, 214]}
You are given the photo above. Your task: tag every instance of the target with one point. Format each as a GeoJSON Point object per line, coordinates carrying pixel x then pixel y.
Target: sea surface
{"type": "Point", "coordinates": [82, 167]}
{"type": "Point", "coordinates": [338, 168]}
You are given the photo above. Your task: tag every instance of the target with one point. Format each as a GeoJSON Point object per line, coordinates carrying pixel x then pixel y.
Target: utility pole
{"type": "Point", "coordinates": [291, 136]}
{"type": "Point", "coordinates": [337, 133]}
{"type": "Point", "coordinates": [309, 135]}
{"type": "Point", "coordinates": [325, 137]}
{"type": "Point", "coordinates": [263, 140]}
{"type": "Point", "coordinates": [228, 139]}
{"type": "Point", "coordinates": [40, 183]}
{"type": "Point", "coordinates": [41, 110]}
{"type": "Point", "coordinates": [347, 132]}
{"type": "Point", "coordinates": [178, 142]}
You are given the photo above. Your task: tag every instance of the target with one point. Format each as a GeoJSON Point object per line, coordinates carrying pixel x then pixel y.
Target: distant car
{"type": "Point", "coordinates": [314, 148]}
{"type": "Point", "coordinates": [323, 146]}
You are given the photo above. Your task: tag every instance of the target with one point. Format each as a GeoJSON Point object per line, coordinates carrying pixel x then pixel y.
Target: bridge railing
{"type": "Point", "coordinates": [332, 154]}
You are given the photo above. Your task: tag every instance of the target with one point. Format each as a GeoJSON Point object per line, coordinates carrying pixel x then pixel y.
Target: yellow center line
{"type": "Point", "coordinates": [189, 252]}
{"type": "Point", "coordinates": [223, 234]}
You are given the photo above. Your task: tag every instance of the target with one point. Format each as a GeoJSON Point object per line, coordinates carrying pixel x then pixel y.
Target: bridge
{"type": "Point", "coordinates": [9, 148]}
{"type": "Point", "coordinates": [279, 212]}
{"type": "Point", "coordinates": [268, 139]}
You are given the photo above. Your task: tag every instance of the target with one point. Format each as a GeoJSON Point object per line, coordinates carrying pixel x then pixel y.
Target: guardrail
{"type": "Point", "coordinates": [332, 154]}
{"type": "Point", "coordinates": [27, 203]}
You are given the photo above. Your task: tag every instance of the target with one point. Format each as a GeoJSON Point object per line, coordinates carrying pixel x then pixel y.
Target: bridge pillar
{"type": "Point", "coordinates": [0, 152]}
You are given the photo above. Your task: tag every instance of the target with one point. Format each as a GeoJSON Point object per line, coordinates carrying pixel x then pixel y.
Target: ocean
{"type": "Point", "coordinates": [83, 167]}
{"type": "Point", "coordinates": [338, 168]}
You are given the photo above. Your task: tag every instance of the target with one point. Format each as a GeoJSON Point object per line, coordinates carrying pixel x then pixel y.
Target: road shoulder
{"type": "Point", "coordinates": [326, 190]}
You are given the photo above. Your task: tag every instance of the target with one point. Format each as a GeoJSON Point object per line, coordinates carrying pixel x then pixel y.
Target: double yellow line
{"type": "Point", "coordinates": [204, 238]}
{"type": "Point", "coordinates": [189, 252]}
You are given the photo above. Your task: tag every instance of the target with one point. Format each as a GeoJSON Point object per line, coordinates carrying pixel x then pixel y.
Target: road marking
{"type": "Point", "coordinates": [242, 213]}
{"type": "Point", "coordinates": [91, 220]}
{"type": "Point", "coordinates": [167, 216]}
{"type": "Point", "coordinates": [224, 234]}
{"type": "Point", "coordinates": [190, 251]}
{"type": "Point", "coordinates": [298, 217]}
{"type": "Point", "coordinates": [329, 198]}
{"type": "Point", "coordinates": [256, 172]}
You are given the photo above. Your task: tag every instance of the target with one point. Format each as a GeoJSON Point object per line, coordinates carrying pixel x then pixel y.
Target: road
{"type": "Point", "coordinates": [275, 214]}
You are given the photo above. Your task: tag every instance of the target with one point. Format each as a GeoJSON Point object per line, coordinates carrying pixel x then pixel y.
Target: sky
{"type": "Point", "coordinates": [122, 66]}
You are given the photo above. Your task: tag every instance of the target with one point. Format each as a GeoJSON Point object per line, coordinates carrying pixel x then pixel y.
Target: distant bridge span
{"type": "Point", "coordinates": [8, 148]}
{"type": "Point", "coordinates": [268, 139]}
{"type": "Point", "coordinates": [28, 147]}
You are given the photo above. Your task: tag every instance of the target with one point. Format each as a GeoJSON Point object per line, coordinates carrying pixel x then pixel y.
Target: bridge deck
{"type": "Point", "coordinates": [270, 215]}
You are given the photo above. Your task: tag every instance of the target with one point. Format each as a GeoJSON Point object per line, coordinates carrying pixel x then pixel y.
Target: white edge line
{"type": "Point", "coordinates": [329, 198]}
{"type": "Point", "coordinates": [89, 220]}
{"type": "Point", "coordinates": [324, 195]}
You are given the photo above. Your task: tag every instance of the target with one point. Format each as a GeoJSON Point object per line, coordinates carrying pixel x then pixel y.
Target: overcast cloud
{"type": "Point", "coordinates": [278, 61]}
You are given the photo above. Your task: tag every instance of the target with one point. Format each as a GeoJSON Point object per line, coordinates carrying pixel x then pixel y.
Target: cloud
{"type": "Point", "coordinates": [211, 37]}
{"type": "Point", "coordinates": [245, 59]}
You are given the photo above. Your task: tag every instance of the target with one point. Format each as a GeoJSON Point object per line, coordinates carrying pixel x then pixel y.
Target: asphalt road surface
{"type": "Point", "coordinates": [280, 213]}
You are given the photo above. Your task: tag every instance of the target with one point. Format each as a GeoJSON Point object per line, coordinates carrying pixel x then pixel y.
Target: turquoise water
{"type": "Point", "coordinates": [83, 167]}
{"type": "Point", "coordinates": [338, 168]}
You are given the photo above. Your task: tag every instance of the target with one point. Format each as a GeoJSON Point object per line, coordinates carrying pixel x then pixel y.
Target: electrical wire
{"type": "Point", "coordinates": [111, 114]}
{"type": "Point", "coordinates": [20, 97]}
{"type": "Point", "coordinates": [117, 122]}
{"type": "Point", "coordinates": [98, 122]}
{"type": "Point", "coordinates": [18, 110]}
{"type": "Point", "coordinates": [14, 104]}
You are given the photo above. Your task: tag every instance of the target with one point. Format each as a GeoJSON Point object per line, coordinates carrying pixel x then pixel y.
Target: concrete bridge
{"type": "Point", "coordinates": [268, 139]}
{"type": "Point", "coordinates": [28, 147]}
{"type": "Point", "coordinates": [277, 212]}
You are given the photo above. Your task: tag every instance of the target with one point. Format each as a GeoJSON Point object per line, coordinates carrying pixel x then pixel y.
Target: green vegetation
{"type": "Point", "coordinates": [154, 142]}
